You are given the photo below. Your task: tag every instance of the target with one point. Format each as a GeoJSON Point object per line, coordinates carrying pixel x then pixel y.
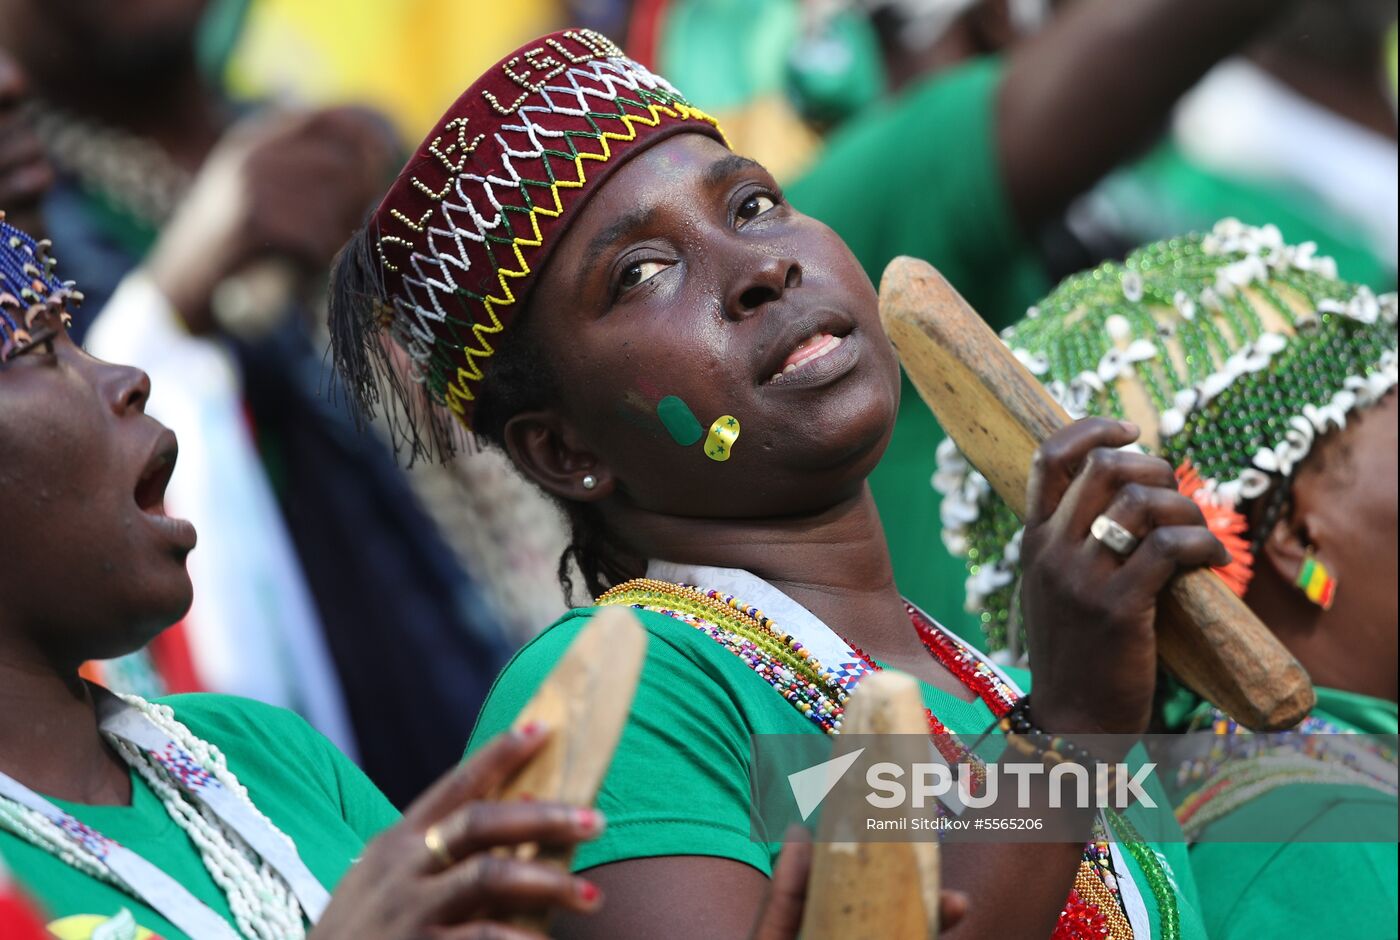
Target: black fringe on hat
{"type": "Point", "coordinates": [373, 373]}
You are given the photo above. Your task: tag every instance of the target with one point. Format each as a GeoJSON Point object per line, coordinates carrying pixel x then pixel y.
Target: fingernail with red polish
{"type": "Point", "coordinates": [589, 820]}
{"type": "Point", "coordinates": [532, 729]}
{"type": "Point", "coordinates": [589, 892]}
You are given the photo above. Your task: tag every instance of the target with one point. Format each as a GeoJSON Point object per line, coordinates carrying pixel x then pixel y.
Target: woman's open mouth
{"type": "Point", "coordinates": [150, 493]}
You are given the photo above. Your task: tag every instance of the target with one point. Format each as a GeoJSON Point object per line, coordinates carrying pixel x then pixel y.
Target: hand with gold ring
{"type": "Point", "coordinates": [438, 871]}
{"type": "Point", "coordinates": [437, 846]}
{"type": "Point", "coordinates": [1106, 530]}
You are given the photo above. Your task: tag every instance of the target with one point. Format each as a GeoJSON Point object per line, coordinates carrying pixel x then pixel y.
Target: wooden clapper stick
{"type": "Point", "coordinates": [998, 414]}
{"type": "Point", "coordinates": [872, 890]}
{"type": "Point", "coordinates": [584, 701]}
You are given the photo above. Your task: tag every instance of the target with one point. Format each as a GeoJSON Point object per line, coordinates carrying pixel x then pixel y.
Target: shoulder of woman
{"type": "Point", "coordinates": [683, 665]}
{"type": "Point", "coordinates": [233, 723]}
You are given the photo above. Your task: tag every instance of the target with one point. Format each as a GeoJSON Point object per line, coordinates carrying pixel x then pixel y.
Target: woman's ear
{"type": "Point", "coordinates": [1286, 545]}
{"type": "Point", "coordinates": [548, 451]}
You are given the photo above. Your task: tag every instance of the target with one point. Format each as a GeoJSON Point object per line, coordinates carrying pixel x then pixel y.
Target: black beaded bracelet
{"type": "Point", "coordinates": [1023, 735]}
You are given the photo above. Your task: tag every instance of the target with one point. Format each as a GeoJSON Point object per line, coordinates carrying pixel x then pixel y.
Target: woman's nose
{"type": "Point", "coordinates": [766, 279]}
{"type": "Point", "coordinates": [125, 388]}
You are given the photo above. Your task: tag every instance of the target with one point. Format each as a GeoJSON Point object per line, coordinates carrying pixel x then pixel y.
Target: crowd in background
{"type": "Point", "coordinates": [202, 162]}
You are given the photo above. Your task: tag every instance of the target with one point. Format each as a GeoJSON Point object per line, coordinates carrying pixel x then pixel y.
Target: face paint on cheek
{"type": "Point", "coordinates": [719, 445]}
{"type": "Point", "coordinates": [680, 422]}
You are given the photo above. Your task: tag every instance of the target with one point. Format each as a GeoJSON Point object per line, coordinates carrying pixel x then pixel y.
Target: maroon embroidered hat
{"type": "Point", "coordinates": [478, 208]}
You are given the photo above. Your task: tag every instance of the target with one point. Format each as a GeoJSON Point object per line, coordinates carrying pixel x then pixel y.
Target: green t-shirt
{"type": "Point", "coordinates": [679, 780]}
{"type": "Point", "coordinates": [921, 176]}
{"type": "Point", "coordinates": [1307, 889]}
{"type": "Point", "coordinates": [297, 778]}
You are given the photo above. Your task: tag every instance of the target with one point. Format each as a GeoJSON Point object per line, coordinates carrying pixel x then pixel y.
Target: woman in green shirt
{"type": "Point", "coordinates": [575, 267]}
{"type": "Point", "coordinates": [198, 815]}
{"type": "Point", "coordinates": [1269, 384]}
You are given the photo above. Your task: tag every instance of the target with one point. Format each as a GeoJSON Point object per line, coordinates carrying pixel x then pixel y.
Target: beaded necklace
{"type": "Point", "coordinates": [1094, 907]}
{"type": "Point", "coordinates": [269, 890]}
{"type": "Point", "coordinates": [1242, 766]}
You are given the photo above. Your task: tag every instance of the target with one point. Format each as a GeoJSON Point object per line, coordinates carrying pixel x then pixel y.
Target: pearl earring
{"type": "Point", "coordinates": [590, 481]}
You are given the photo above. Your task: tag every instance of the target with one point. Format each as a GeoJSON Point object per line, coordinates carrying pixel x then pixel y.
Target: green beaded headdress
{"type": "Point", "coordinates": [1232, 351]}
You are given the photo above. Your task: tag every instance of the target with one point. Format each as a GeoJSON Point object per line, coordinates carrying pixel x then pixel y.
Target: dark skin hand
{"type": "Point", "coordinates": [687, 273]}
{"type": "Point", "coordinates": [1349, 476]}
{"type": "Point", "coordinates": [290, 186]}
{"type": "Point", "coordinates": [398, 890]}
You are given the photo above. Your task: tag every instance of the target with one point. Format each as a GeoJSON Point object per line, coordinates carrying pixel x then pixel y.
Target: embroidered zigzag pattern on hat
{"type": "Point", "coordinates": [488, 203]}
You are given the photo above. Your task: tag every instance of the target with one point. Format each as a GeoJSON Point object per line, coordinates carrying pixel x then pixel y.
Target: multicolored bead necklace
{"type": "Point", "coordinates": [1242, 766]}
{"type": "Point", "coordinates": [1094, 907]}
{"type": "Point", "coordinates": [778, 657]}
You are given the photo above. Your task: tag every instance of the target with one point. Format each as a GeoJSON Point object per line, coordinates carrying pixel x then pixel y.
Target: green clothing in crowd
{"type": "Point", "coordinates": [1300, 888]}
{"type": "Point", "coordinates": [921, 176]}
{"type": "Point", "coordinates": [679, 780]}
{"type": "Point", "coordinates": [1166, 193]}
{"type": "Point", "coordinates": [298, 779]}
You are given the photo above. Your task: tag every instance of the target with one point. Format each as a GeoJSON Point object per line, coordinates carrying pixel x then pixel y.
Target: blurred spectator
{"type": "Point", "coordinates": [1300, 132]}
{"type": "Point", "coordinates": [24, 173]}
{"type": "Point", "coordinates": [423, 53]}
{"type": "Point", "coordinates": [408, 58]}
{"type": "Point", "coordinates": [236, 213]}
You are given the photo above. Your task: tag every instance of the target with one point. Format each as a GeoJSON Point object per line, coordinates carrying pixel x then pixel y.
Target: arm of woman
{"type": "Point", "coordinates": [1096, 85]}
{"type": "Point", "coordinates": [713, 897]}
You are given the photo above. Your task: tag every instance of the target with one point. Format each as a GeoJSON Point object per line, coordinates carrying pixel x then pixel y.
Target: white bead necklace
{"type": "Point", "coordinates": [262, 903]}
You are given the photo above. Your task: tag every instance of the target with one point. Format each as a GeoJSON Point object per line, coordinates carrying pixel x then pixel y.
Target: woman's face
{"type": "Point", "coordinates": [687, 291]}
{"type": "Point", "coordinates": [94, 568]}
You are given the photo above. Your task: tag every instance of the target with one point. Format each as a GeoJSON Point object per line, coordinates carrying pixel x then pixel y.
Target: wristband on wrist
{"type": "Point", "coordinates": [1023, 736]}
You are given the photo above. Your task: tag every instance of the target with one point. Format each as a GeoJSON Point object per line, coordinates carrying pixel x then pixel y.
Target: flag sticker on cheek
{"type": "Point", "coordinates": [679, 420]}
{"type": "Point", "coordinates": [719, 444]}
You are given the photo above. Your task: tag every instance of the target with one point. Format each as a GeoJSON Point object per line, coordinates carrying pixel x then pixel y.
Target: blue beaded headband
{"type": "Point", "coordinates": [27, 286]}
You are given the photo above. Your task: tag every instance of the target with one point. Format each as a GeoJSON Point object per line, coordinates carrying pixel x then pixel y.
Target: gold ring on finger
{"type": "Point", "coordinates": [437, 847]}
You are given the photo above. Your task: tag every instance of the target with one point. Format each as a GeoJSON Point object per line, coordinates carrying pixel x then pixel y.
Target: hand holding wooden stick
{"type": "Point", "coordinates": [998, 414]}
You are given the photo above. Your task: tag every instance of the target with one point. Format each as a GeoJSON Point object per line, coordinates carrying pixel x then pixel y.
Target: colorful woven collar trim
{"type": "Point", "coordinates": [479, 208]}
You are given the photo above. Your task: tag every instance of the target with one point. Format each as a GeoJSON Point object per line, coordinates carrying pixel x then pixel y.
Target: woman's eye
{"type": "Point", "coordinates": [755, 206]}
{"type": "Point", "coordinates": [639, 273]}
{"type": "Point", "coordinates": [43, 342]}
{"type": "Point", "coordinates": [41, 339]}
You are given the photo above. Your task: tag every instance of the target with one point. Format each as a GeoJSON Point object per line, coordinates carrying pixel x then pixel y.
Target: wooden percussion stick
{"type": "Point", "coordinates": [584, 701]}
{"type": "Point", "coordinates": [998, 414]}
{"type": "Point", "coordinates": [872, 890]}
